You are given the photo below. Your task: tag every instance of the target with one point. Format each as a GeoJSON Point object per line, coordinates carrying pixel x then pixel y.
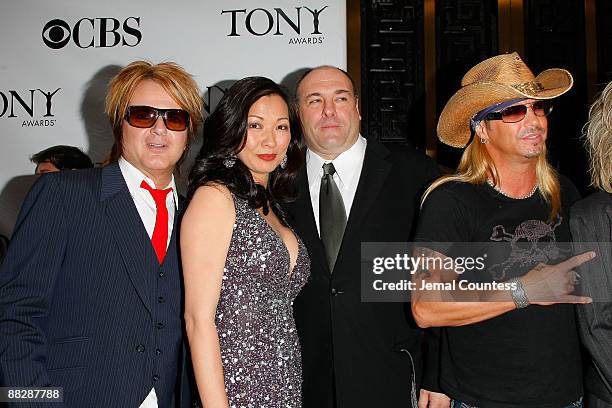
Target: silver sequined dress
{"type": "Point", "coordinates": [260, 350]}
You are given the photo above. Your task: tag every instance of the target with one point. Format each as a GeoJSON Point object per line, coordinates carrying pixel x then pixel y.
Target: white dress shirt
{"type": "Point", "coordinates": [348, 166]}
{"type": "Point", "coordinates": [145, 204]}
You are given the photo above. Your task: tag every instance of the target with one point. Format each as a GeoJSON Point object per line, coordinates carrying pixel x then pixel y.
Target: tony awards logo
{"type": "Point", "coordinates": [33, 107]}
{"type": "Point", "coordinates": [303, 24]}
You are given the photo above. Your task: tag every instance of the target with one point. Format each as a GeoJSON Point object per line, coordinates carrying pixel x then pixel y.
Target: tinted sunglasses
{"type": "Point", "coordinates": [516, 113]}
{"type": "Point", "coordinates": [146, 116]}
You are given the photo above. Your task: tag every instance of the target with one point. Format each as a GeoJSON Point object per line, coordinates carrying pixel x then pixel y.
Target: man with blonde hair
{"type": "Point", "coordinates": [591, 226]}
{"type": "Point", "coordinates": [90, 290]}
{"type": "Point", "coordinates": [513, 343]}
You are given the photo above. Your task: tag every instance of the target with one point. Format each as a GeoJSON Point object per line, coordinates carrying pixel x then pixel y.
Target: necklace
{"type": "Point", "coordinates": [502, 192]}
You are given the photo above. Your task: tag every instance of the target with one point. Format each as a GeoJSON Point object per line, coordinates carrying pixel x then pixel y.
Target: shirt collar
{"type": "Point", "coordinates": [344, 163]}
{"type": "Point", "coordinates": [134, 177]}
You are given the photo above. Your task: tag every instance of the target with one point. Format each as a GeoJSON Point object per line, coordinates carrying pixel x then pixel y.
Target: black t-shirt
{"type": "Point", "coordinates": [524, 358]}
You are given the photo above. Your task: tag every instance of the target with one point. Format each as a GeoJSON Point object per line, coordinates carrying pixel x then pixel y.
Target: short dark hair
{"type": "Point", "coordinates": [225, 133]}
{"type": "Point", "coordinates": [309, 70]}
{"type": "Point", "coordinates": [63, 157]}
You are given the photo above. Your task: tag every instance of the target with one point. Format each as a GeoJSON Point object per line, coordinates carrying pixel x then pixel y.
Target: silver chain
{"type": "Point", "coordinates": [502, 192]}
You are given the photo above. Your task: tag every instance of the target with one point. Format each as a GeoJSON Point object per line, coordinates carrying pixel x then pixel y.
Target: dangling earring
{"type": "Point", "coordinates": [229, 162]}
{"type": "Point", "coordinates": [283, 163]}
{"type": "Point", "coordinates": [484, 140]}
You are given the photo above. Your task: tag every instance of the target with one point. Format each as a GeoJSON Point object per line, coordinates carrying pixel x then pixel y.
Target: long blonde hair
{"type": "Point", "coordinates": [476, 166]}
{"type": "Point", "coordinates": [598, 140]}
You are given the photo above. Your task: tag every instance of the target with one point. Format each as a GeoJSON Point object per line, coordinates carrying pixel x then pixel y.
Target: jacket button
{"type": "Point", "coordinates": [334, 291]}
{"type": "Point", "coordinates": [158, 352]}
{"type": "Point", "coordinates": [155, 377]}
{"type": "Point", "coordinates": [160, 325]}
{"type": "Point", "coordinates": [161, 299]}
{"type": "Point", "coordinates": [140, 348]}
{"type": "Point", "coordinates": [162, 274]}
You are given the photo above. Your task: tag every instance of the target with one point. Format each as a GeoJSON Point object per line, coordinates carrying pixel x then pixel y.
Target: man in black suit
{"type": "Point", "coordinates": [90, 290]}
{"type": "Point", "coordinates": [353, 190]}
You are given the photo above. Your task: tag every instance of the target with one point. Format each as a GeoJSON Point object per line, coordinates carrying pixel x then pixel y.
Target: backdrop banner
{"type": "Point", "coordinates": [57, 59]}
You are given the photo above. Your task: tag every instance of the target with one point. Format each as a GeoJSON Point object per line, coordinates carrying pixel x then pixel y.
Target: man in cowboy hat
{"type": "Point", "coordinates": [514, 344]}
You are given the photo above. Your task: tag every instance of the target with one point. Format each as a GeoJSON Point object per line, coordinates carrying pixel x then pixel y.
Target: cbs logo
{"type": "Point", "coordinates": [102, 32]}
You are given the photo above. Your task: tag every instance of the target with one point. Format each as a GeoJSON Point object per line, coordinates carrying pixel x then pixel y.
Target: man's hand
{"type": "Point", "coordinates": [430, 399]}
{"type": "Point", "coordinates": [550, 284]}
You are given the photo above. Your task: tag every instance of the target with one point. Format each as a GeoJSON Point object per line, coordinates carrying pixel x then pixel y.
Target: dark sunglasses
{"type": "Point", "coordinates": [516, 113]}
{"type": "Point", "coordinates": [146, 116]}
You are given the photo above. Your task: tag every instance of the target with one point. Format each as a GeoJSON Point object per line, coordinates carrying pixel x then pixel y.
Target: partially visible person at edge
{"type": "Point", "coordinates": [90, 290]}
{"type": "Point", "coordinates": [60, 157]}
{"type": "Point", "coordinates": [591, 221]}
{"type": "Point", "coordinates": [352, 190]}
{"type": "Point", "coordinates": [514, 346]}
{"type": "Point", "coordinates": [243, 264]}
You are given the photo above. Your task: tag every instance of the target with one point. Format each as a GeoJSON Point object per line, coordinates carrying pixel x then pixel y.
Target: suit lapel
{"type": "Point", "coordinates": [305, 222]}
{"type": "Point", "coordinates": [129, 233]}
{"type": "Point", "coordinates": [374, 171]}
{"type": "Point", "coordinates": [373, 174]}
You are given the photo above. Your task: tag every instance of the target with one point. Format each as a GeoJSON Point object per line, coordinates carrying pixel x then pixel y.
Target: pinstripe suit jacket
{"type": "Point", "coordinates": [84, 303]}
{"type": "Point", "coordinates": [591, 222]}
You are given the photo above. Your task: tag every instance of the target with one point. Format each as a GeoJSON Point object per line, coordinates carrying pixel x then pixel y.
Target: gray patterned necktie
{"type": "Point", "coordinates": [332, 216]}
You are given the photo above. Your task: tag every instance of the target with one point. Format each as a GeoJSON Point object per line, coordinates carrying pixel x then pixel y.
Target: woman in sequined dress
{"type": "Point", "coordinates": [242, 264]}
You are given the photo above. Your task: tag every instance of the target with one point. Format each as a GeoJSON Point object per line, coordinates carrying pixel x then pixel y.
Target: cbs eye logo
{"type": "Point", "coordinates": [102, 32]}
{"type": "Point", "coordinates": [56, 34]}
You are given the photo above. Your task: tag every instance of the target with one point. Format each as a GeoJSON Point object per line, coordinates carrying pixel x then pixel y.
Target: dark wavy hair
{"type": "Point", "coordinates": [63, 157]}
{"type": "Point", "coordinates": [225, 133]}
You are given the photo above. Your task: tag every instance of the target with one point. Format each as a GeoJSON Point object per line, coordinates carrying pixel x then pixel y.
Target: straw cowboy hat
{"type": "Point", "coordinates": [495, 80]}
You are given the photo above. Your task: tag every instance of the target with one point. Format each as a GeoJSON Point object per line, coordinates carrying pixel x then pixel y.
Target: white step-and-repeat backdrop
{"type": "Point", "coordinates": [56, 58]}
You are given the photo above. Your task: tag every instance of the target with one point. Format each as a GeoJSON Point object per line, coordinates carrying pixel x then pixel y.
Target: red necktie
{"type": "Point", "coordinates": [160, 232]}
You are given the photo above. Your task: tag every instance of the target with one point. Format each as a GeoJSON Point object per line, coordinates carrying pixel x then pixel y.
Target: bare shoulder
{"type": "Point", "coordinates": [211, 201]}
{"type": "Point", "coordinates": [213, 191]}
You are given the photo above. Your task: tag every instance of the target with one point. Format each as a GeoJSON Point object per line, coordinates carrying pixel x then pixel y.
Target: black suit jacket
{"type": "Point", "coordinates": [591, 226]}
{"type": "Point", "coordinates": [84, 303]}
{"type": "Point", "coordinates": [359, 345]}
